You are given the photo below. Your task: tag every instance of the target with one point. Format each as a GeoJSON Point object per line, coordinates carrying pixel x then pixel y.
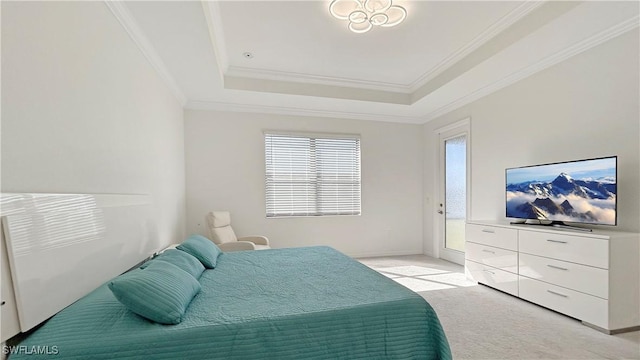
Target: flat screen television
{"type": "Point", "coordinates": [571, 192]}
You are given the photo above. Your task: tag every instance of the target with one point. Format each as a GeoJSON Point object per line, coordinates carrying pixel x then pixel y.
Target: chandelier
{"type": "Point", "coordinates": [364, 14]}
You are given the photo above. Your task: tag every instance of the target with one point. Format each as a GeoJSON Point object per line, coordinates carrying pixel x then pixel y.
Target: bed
{"type": "Point", "coordinates": [297, 303]}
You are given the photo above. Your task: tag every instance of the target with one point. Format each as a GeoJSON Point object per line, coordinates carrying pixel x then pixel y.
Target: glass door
{"type": "Point", "coordinates": [452, 207]}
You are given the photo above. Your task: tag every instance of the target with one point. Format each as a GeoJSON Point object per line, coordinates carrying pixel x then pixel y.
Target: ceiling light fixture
{"type": "Point", "coordinates": [364, 14]}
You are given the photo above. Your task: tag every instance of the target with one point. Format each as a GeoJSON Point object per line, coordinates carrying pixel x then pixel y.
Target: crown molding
{"type": "Point", "coordinates": [584, 45]}
{"type": "Point", "coordinates": [127, 21]}
{"type": "Point", "coordinates": [286, 76]}
{"type": "Point", "coordinates": [284, 110]}
{"type": "Point", "coordinates": [496, 28]}
{"type": "Point", "coordinates": [216, 35]}
{"type": "Point", "coordinates": [212, 13]}
{"type": "Point", "coordinates": [543, 64]}
{"type": "Point", "coordinates": [317, 90]}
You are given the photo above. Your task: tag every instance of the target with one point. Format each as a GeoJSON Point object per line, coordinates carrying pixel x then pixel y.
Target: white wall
{"type": "Point", "coordinates": [585, 107]}
{"type": "Point", "coordinates": [84, 112]}
{"type": "Point", "coordinates": [225, 171]}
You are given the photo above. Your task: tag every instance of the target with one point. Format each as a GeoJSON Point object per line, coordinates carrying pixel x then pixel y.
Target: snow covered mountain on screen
{"type": "Point", "coordinates": [585, 200]}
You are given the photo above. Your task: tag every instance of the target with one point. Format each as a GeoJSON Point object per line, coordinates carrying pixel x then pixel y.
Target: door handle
{"type": "Point", "coordinates": [557, 293]}
{"type": "Point", "coordinates": [556, 241]}
{"type": "Point", "coordinates": [440, 212]}
{"type": "Point", "coordinates": [557, 267]}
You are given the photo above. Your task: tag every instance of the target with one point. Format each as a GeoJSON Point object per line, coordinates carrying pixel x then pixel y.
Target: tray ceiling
{"type": "Point", "coordinates": [305, 62]}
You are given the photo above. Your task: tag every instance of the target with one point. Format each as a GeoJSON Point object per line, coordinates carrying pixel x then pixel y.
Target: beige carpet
{"type": "Point", "coordinates": [482, 323]}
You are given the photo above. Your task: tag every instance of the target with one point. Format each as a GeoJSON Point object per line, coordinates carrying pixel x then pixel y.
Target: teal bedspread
{"type": "Point", "coordinates": [300, 303]}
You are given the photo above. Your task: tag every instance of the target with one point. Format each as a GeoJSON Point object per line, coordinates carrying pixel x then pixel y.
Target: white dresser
{"type": "Point", "coordinates": [591, 276]}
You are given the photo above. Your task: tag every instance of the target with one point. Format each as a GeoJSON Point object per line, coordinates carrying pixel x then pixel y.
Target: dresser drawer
{"type": "Point", "coordinates": [495, 257]}
{"type": "Point", "coordinates": [586, 279]}
{"type": "Point", "coordinates": [498, 279]}
{"type": "Point", "coordinates": [493, 236]}
{"type": "Point", "coordinates": [577, 249]}
{"type": "Point", "coordinates": [591, 309]}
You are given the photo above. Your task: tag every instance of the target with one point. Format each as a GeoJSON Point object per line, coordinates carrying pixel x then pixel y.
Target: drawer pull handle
{"type": "Point", "coordinates": [557, 293]}
{"type": "Point", "coordinates": [489, 271]}
{"type": "Point", "coordinates": [488, 251]}
{"type": "Point", "coordinates": [488, 231]}
{"type": "Point", "coordinates": [557, 267]}
{"type": "Point", "coordinates": [557, 241]}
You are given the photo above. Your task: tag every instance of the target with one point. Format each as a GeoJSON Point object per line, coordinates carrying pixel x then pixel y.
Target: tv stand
{"type": "Point", "coordinates": [590, 276]}
{"type": "Point", "coordinates": [555, 224]}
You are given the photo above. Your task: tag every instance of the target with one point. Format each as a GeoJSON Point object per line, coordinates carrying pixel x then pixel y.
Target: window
{"type": "Point", "coordinates": [312, 175]}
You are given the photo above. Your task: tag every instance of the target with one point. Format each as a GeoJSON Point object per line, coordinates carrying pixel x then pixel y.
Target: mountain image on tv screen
{"type": "Point", "coordinates": [578, 191]}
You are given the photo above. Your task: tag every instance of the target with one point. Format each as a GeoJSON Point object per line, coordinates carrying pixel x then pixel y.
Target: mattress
{"type": "Point", "coordinates": [298, 303]}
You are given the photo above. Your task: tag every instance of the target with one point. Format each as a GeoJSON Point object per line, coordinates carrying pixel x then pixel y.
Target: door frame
{"type": "Point", "coordinates": [461, 127]}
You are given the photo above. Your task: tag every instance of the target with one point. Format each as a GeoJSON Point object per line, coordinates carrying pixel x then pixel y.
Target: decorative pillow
{"type": "Point", "coordinates": [202, 249]}
{"type": "Point", "coordinates": [160, 292]}
{"type": "Point", "coordinates": [181, 259]}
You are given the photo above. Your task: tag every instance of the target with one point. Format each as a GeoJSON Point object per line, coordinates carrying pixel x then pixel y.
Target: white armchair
{"type": "Point", "coordinates": [221, 233]}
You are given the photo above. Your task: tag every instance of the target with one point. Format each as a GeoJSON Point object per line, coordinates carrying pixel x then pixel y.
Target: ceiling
{"type": "Point", "coordinates": [305, 62]}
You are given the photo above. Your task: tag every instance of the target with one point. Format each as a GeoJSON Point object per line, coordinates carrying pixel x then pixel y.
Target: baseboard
{"type": "Point", "coordinates": [385, 253]}
{"type": "Point", "coordinates": [611, 332]}
{"type": "Point", "coordinates": [429, 253]}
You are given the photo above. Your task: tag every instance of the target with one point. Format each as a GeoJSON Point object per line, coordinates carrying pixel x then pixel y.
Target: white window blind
{"type": "Point", "coordinates": [312, 175]}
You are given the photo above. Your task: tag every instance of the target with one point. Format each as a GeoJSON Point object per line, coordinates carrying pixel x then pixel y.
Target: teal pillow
{"type": "Point", "coordinates": [181, 259]}
{"type": "Point", "coordinates": [202, 249]}
{"type": "Point", "coordinates": [160, 292]}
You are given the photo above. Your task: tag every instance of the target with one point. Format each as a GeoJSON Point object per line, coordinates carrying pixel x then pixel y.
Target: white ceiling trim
{"type": "Point", "coordinates": [545, 63]}
{"type": "Point", "coordinates": [281, 110]}
{"type": "Point", "coordinates": [125, 18]}
{"type": "Point", "coordinates": [217, 38]}
{"type": "Point", "coordinates": [216, 32]}
{"type": "Point", "coordinates": [216, 35]}
{"type": "Point", "coordinates": [237, 71]}
{"type": "Point", "coordinates": [132, 28]}
{"type": "Point", "coordinates": [499, 26]}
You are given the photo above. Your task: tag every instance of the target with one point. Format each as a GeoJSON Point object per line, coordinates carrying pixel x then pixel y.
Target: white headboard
{"type": "Point", "coordinates": [60, 247]}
